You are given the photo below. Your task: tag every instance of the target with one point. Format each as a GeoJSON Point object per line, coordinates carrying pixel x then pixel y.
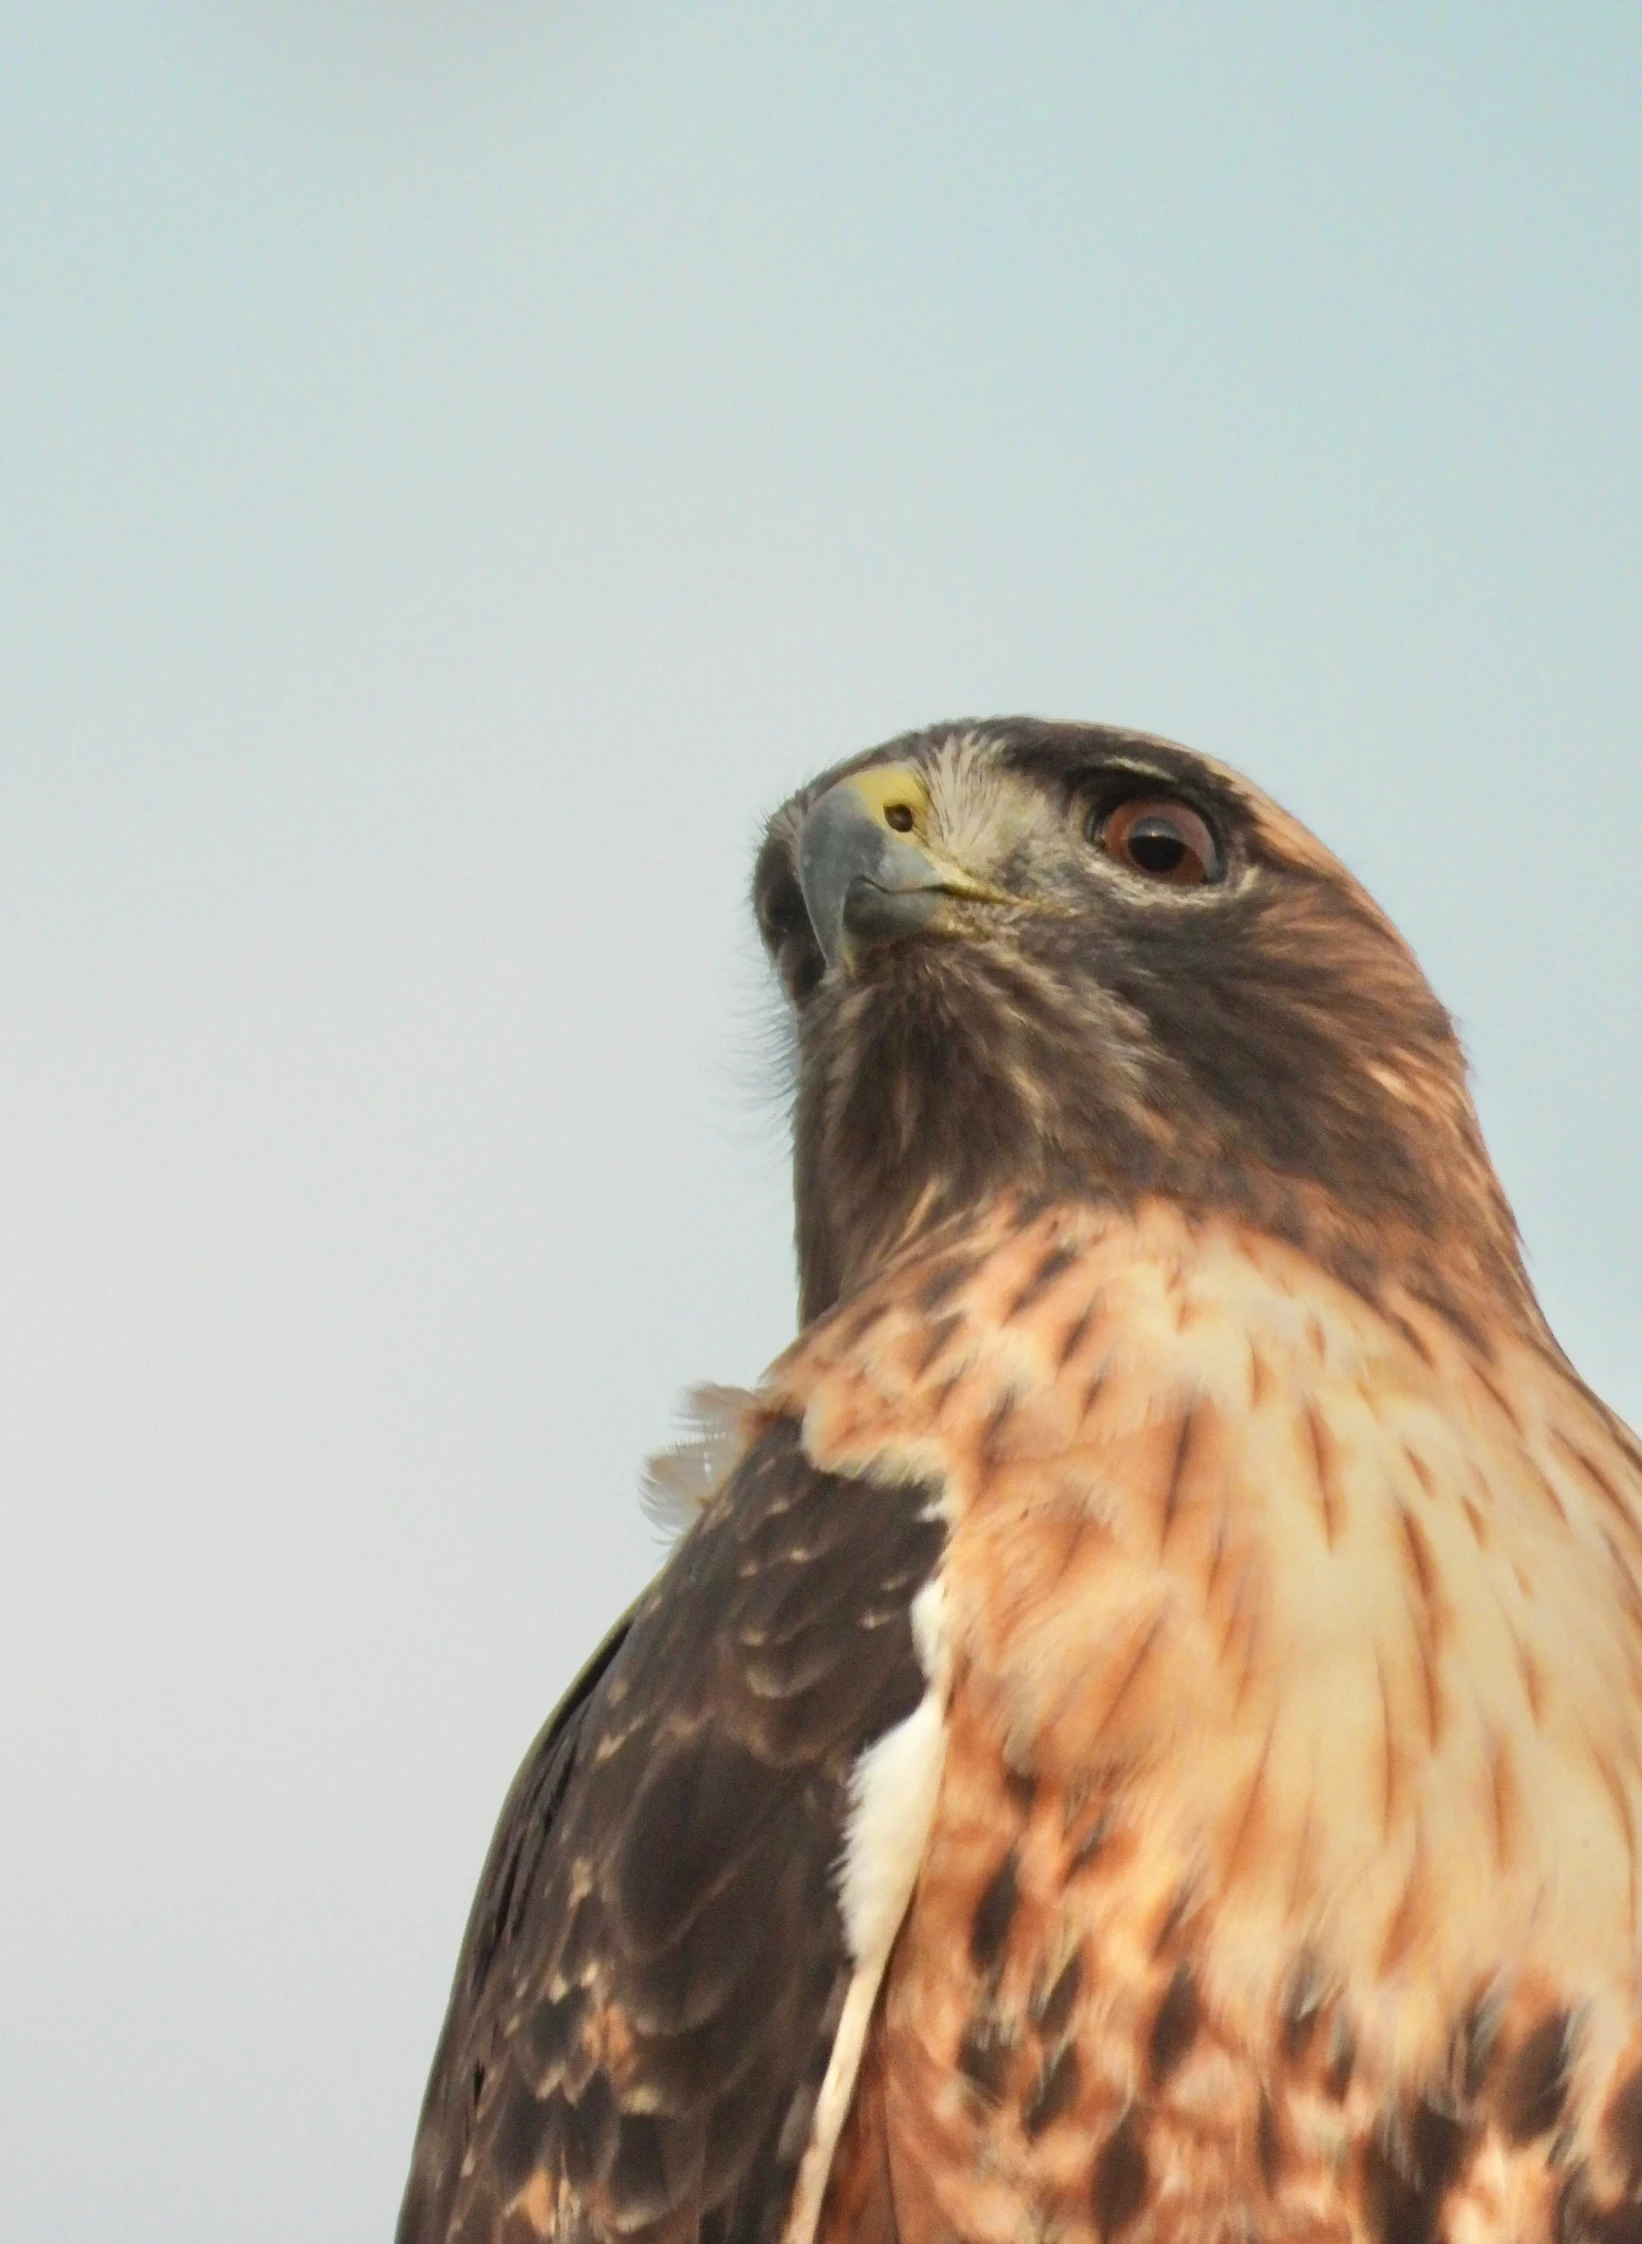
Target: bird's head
{"type": "Point", "coordinates": [1071, 960]}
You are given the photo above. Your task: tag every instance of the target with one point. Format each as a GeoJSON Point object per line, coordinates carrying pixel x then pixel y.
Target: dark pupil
{"type": "Point", "coordinates": [1156, 846]}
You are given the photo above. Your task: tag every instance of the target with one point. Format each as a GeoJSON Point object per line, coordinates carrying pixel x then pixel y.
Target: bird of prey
{"type": "Point", "coordinates": [1142, 1738]}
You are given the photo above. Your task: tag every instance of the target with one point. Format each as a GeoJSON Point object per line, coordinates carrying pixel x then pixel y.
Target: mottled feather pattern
{"type": "Point", "coordinates": [637, 2049]}
{"type": "Point", "coordinates": [1286, 1657]}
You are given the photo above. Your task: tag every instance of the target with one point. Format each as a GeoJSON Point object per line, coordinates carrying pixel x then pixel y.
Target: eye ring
{"type": "Point", "coordinates": [1159, 839]}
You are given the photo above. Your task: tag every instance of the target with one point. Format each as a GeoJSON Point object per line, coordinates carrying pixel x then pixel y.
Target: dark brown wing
{"type": "Point", "coordinates": [655, 1961]}
{"type": "Point", "coordinates": [521, 1833]}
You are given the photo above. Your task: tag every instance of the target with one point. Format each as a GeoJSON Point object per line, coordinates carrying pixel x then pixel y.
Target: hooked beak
{"type": "Point", "coordinates": [868, 873]}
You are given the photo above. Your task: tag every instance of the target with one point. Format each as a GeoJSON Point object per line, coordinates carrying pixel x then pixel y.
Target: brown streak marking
{"type": "Point", "coordinates": [1431, 1688]}
{"type": "Point", "coordinates": [1245, 1821]}
{"type": "Point", "coordinates": [1420, 1562]}
{"type": "Point", "coordinates": [1268, 2144]}
{"type": "Point", "coordinates": [1091, 1395]}
{"type": "Point", "coordinates": [1479, 2045]}
{"type": "Point", "coordinates": [1408, 2169]}
{"type": "Point", "coordinates": [1449, 1311]}
{"type": "Point", "coordinates": [1075, 1540]}
{"type": "Point", "coordinates": [1177, 1472]}
{"type": "Point", "coordinates": [1302, 1860]}
{"type": "Point", "coordinates": [943, 1330]}
{"type": "Point", "coordinates": [1129, 1674]}
{"type": "Point", "coordinates": [1174, 2028]}
{"type": "Point", "coordinates": [1259, 1378]}
{"type": "Point", "coordinates": [1051, 2011]}
{"type": "Point", "coordinates": [1420, 1470]}
{"type": "Point", "coordinates": [1217, 1553]}
{"type": "Point", "coordinates": [1057, 1260]}
{"type": "Point", "coordinates": [1052, 2094]}
{"type": "Point", "coordinates": [1428, 1617]}
{"type": "Point", "coordinates": [995, 1913]}
{"type": "Point", "coordinates": [1597, 1477]}
{"type": "Point", "coordinates": [846, 1422]}
{"type": "Point", "coordinates": [1002, 1411]}
{"type": "Point", "coordinates": [1402, 1927]}
{"type": "Point", "coordinates": [1389, 1797]}
{"type": "Point", "coordinates": [1622, 2124]}
{"type": "Point", "coordinates": [1507, 1407]}
{"type": "Point", "coordinates": [1120, 2179]}
{"type": "Point", "coordinates": [1629, 1442]}
{"type": "Point", "coordinates": [1302, 2006]}
{"type": "Point", "coordinates": [1535, 2085]}
{"type": "Point", "coordinates": [1546, 1487]}
{"type": "Point", "coordinates": [1072, 1339]}
{"type": "Point", "coordinates": [1503, 1794]}
{"type": "Point", "coordinates": [1089, 1846]}
{"type": "Point", "coordinates": [1173, 1918]}
{"type": "Point", "coordinates": [1476, 1522]}
{"type": "Point", "coordinates": [943, 1395]}
{"type": "Point", "coordinates": [862, 1322]}
{"type": "Point", "coordinates": [1245, 1674]}
{"type": "Point", "coordinates": [1238, 1613]}
{"type": "Point", "coordinates": [1533, 1682]}
{"type": "Point", "coordinates": [1412, 1334]}
{"type": "Point", "coordinates": [1626, 1585]}
{"type": "Point", "coordinates": [945, 1279]}
{"type": "Point", "coordinates": [1630, 1652]}
{"type": "Point", "coordinates": [1342, 2062]}
{"type": "Point", "coordinates": [1622, 1809]}
{"type": "Point", "coordinates": [1022, 1788]}
{"type": "Point", "coordinates": [983, 2059]}
{"type": "Point", "coordinates": [1320, 1466]}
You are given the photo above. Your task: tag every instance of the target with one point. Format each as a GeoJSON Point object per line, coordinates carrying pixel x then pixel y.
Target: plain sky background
{"type": "Point", "coordinates": [459, 466]}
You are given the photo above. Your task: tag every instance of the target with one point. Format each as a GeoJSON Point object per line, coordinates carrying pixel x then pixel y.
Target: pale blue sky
{"type": "Point", "coordinates": [457, 468]}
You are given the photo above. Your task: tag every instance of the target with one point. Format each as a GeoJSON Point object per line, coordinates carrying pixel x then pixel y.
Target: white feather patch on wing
{"type": "Point", "coordinates": [892, 1799]}
{"type": "Point", "coordinates": [893, 1790]}
{"type": "Point", "coordinates": [678, 1482]}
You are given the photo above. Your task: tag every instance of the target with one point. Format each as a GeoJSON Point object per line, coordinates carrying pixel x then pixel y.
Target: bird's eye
{"type": "Point", "coordinates": [900, 816]}
{"type": "Point", "coordinates": [1161, 839]}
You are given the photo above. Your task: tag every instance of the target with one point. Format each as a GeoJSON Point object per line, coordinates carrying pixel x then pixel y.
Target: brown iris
{"type": "Point", "coordinates": [1162, 840]}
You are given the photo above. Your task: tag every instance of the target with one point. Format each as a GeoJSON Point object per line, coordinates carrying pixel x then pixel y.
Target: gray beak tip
{"type": "Point", "coordinates": [863, 884]}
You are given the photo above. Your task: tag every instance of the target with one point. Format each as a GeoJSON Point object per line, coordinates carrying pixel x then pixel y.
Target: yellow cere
{"type": "Point", "coordinates": [888, 787]}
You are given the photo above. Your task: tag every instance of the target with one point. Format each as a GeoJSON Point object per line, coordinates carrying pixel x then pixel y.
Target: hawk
{"type": "Point", "coordinates": [1142, 1738]}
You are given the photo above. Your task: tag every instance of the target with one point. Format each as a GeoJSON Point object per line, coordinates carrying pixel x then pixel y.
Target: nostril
{"type": "Point", "coordinates": [899, 815]}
